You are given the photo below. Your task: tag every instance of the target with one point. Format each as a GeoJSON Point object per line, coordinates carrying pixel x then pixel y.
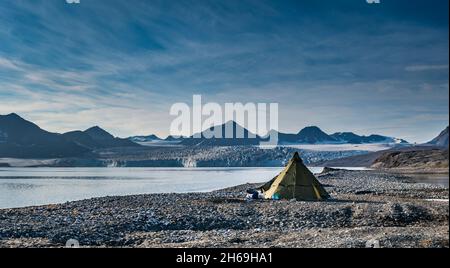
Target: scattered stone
{"type": "Point", "coordinates": [365, 206]}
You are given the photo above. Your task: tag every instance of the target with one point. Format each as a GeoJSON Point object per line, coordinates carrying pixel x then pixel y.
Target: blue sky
{"type": "Point", "coordinates": [341, 65]}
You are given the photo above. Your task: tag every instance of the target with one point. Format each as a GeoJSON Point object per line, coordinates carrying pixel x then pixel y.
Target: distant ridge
{"type": "Point", "coordinates": [308, 135]}
{"type": "Point", "coordinates": [172, 138]}
{"type": "Point", "coordinates": [247, 138]}
{"type": "Point", "coordinates": [20, 138]}
{"type": "Point", "coordinates": [441, 139]}
{"type": "Point", "coordinates": [350, 137]}
{"type": "Point", "coordinates": [314, 135]}
{"type": "Point", "coordinates": [97, 138]}
{"type": "Point", "coordinates": [149, 138]}
{"type": "Point", "coordinates": [433, 154]}
{"type": "Point", "coordinates": [82, 139]}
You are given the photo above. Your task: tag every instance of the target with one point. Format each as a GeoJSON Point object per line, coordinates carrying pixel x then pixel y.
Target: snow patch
{"type": "Point", "coordinates": [189, 163]}
{"type": "Point", "coordinates": [369, 147]}
{"type": "Point", "coordinates": [437, 200]}
{"type": "Point", "coordinates": [159, 143]}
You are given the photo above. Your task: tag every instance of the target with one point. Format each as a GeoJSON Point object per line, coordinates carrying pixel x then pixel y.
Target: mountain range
{"type": "Point", "coordinates": [308, 135]}
{"type": "Point", "coordinates": [433, 154]}
{"type": "Point", "coordinates": [441, 140]}
{"type": "Point", "coordinates": [314, 135]}
{"type": "Point", "coordinates": [20, 138]}
{"type": "Point", "coordinates": [97, 138]}
{"type": "Point", "coordinates": [149, 138]}
{"type": "Point", "coordinates": [205, 139]}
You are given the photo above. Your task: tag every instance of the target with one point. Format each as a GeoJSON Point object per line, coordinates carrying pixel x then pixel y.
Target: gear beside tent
{"type": "Point", "coordinates": [295, 182]}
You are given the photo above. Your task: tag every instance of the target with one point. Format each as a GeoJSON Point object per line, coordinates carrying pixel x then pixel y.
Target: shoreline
{"type": "Point", "coordinates": [365, 205]}
{"type": "Point", "coordinates": [431, 171]}
{"type": "Point", "coordinates": [413, 177]}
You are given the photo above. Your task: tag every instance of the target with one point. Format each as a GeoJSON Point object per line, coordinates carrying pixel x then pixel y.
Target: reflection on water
{"type": "Point", "coordinates": [18, 186]}
{"type": "Point", "coordinates": [21, 187]}
{"type": "Point", "coordinates": [38, 186]}
{"type": "Point", "coordinates": [440, 179]}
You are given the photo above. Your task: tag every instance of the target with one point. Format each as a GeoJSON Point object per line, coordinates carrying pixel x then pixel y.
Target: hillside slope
{"type": "Point", "coordinates": [416, 159]}
{"type": "Point", "coordinates": [20, 138]}
{"type": "Point", "coordinates": [441, 140]}
{"type": "Point", "coordinates": [423, 156]}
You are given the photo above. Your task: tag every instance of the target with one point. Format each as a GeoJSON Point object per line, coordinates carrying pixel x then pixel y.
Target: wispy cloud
{"type": "Point", "coordinates": [422, 68]}
{"type": "Point", "coordinates": [121, 64]}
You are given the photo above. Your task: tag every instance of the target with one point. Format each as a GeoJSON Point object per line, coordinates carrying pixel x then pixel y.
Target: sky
{"type": "Point", "coordinates": [342, 65]}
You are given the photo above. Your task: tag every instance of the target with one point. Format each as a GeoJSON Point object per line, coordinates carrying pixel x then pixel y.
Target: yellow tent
{"type": "Point", "coordinates": [295, 182]}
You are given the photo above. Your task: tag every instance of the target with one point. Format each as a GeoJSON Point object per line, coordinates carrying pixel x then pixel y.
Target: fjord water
{"type": "Point", "coordinates": [21, 187]}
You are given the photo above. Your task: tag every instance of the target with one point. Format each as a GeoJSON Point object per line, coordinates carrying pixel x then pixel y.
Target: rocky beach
{"type": "Point", "coordinates": [366, 209]}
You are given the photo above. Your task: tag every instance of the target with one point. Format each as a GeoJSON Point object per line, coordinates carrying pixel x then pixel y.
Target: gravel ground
{"type": "Point", "coordinates": [368, 208]}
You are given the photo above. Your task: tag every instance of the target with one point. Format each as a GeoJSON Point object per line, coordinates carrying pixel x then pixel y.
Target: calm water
{"type": "Point", "coordinates": [440, 179]}
{"type": "Point", "coordinates": [20, 187]}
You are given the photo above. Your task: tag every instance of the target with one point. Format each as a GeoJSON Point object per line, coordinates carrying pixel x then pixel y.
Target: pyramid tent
{"type": "Point", "coordinates": [295, 182]}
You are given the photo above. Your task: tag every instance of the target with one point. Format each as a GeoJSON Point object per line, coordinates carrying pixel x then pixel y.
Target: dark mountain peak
{"type": "Point", "coordinates": [95, 129]}
{"type": "Point", "coordinates": [23, 139]}
{"type": "Point", "coordinates": [15, 125]}
{"type": "Point", "coordinates": [311, 130]}
{"type": "Point", "coordinates": [445, 131]}
{"type": "Point", "coordinates": [237, 128]}
{"type": "Point", "coordinates": [13, 115]}
{"type": "Point", "coordinates": [97, 133]}
{"type": "Point", "coordinates": [441, 139]}
{"type": "Point", "coordinates": [231, 134]}
{"type": "Point", "coordinates": [104, 139]}
{"type": "Point", "coordinates": [228, 124]}
{"type": "Point", "coordinates": [234, 124]}
{"type": "Point", "coordinates": [313, 134]}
